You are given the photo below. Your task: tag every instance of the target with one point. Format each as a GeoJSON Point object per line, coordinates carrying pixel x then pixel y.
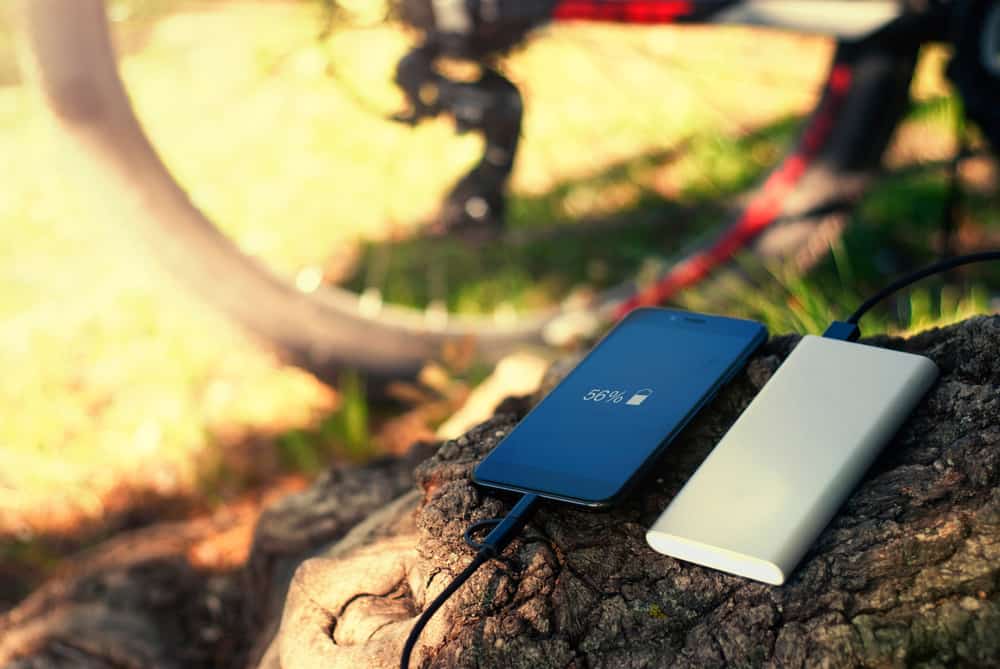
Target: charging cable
{"type": "Point", "coordinates": [492, 546]}
{"type": "Point", "coordinates": [849, 331]}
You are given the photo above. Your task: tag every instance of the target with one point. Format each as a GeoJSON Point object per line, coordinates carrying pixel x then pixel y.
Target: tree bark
{"type": "Point", "coordinates": [907, 574]}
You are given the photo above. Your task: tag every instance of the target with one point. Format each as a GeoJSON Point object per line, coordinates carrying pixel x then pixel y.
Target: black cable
{"type": "Point", "coordinates": [913, 277]}
{"type": "Point", "coordinates": [505, 530]}
{"type": "Point", "coordinates": [477, 562]}
{"type": "Point", "coordinates": [848, 330]}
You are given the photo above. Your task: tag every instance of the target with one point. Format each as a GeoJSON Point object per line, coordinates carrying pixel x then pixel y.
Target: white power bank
{"type": "Point", "coordinates": [776, 479]}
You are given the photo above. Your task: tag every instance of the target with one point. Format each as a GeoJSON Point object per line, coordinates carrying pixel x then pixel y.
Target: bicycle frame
{"type": "Point", "coordinates": [846, 19]}
{"type": "Point", "coordinates": [477, 28]}
{"type": "Point", "coordinates": [482, 19]}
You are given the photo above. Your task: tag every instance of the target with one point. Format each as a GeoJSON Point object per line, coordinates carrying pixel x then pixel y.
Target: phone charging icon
{"type": "Point", "coordinates": [639, 397]}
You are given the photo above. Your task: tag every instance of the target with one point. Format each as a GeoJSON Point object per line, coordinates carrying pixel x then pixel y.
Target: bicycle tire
{"type": "Point", "coordinates": [71, 61]}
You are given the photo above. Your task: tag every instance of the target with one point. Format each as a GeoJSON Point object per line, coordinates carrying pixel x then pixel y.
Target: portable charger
{"type": "Point", "coordinates": [776, 479]}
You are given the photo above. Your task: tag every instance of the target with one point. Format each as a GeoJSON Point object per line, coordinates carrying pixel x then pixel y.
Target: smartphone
{"type": "Point", "coordinates": [595, 433]}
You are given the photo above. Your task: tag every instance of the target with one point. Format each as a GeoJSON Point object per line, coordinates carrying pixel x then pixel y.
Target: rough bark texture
{"type": "Point", "coordinates": [908, 574]}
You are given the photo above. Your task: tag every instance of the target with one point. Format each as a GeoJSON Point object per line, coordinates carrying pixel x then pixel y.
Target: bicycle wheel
{"type": "Point", "coordinates": [325, 328]}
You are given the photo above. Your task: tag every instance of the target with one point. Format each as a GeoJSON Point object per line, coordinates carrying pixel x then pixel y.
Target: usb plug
{"type": "Point", "coordinates": [843, 330]}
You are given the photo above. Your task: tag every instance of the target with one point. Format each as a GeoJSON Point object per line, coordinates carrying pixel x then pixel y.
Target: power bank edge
{"type": "Point", "coordinates": [908, 377]}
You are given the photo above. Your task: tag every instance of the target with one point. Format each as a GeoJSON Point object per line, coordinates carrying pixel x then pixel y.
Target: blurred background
{"type": "Point", "coordinates": [124, 400]}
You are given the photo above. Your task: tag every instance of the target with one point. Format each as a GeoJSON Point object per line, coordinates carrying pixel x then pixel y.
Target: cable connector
{"type": "Point", "coordinates": [499, 537]}
{"type": "Point", "coordinates": [843, 330]}
{"type": "Point", "coordinates": [510, 526]}
{"type": "Point", "coordinates": [848, 330]}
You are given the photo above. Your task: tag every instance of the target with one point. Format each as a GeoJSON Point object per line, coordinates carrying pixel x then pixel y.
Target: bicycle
{"type": "Point", "coordinates": [326, 328]}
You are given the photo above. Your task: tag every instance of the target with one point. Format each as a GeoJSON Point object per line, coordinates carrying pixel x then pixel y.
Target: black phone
{"type": "Point", "coordinates": [595, 433]}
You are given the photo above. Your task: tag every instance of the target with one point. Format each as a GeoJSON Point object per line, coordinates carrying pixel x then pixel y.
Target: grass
{"type": "Point", "coordinates": [343, 434]}
{"type": "Point", "coordinates": [114, 382]}
{"type": "Point", "coordinates": [601, 227]}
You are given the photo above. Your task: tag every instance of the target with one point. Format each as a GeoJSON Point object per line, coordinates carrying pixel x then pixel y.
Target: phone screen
{"type": "Point", "coordinates": [621, 405]}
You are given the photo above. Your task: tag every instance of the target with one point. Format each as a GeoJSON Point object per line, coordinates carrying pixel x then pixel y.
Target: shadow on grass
{"type": "Point", "coordinates": [586, 233]}
{"type": "Point", "coordinates": [592, 232]}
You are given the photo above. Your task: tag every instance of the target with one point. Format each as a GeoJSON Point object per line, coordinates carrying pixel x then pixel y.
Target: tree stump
{"type": "Point", "coordinates": [907, 574]}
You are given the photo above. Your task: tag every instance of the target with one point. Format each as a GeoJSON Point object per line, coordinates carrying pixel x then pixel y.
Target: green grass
{"type": "Point", "coordinates": [895, 229]}
{"type": "Point", "coordinates": [590, 249]}
{"type": "Point", "coordinates": [343, 434]}
{"type": "Point", "coordinates": [599, 230]}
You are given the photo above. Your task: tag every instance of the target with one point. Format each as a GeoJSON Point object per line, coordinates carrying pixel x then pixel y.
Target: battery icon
{"type": "Point", "coordinates": [639, 397]}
